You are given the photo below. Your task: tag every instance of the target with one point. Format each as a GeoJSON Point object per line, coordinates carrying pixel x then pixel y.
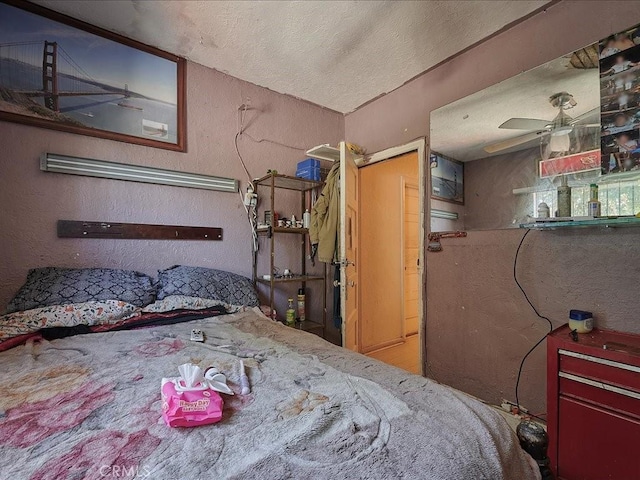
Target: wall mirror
{"type": "Point", "coordinates": [517, 141]}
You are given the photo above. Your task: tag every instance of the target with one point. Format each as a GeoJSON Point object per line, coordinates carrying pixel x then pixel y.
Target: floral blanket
{"type": "Point", "coordinates": [89, 407]}
{"type": "Point", "coordinates": [98, 316]}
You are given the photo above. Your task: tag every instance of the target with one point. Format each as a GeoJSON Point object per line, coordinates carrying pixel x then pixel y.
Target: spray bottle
{"type": "Point", "coordinates": [301, 305]}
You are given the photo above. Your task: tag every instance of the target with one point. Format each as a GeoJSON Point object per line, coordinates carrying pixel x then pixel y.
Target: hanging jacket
{"type": "Point", "coordinates": [325, 217]}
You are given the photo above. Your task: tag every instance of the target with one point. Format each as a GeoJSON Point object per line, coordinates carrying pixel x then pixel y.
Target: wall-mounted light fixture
{"type": "Point", "coordinates": [436, 213]}
{"type": "Point", "coordinates": [51, 162]}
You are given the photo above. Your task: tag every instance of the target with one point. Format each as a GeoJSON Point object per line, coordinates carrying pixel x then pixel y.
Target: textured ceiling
{"type": "Point", "coordinates": [461, 129]}
{"type": "Point", "coordinates": [338, 54]}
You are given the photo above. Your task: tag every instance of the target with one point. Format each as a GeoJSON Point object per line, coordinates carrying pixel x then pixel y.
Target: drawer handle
{"type": "Point", "coordinates": [602, 361]}
{"type": "Point", "coordinates": [600, 385]}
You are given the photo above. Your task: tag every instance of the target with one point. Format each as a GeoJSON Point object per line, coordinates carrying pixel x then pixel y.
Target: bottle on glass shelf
{"type": "Point", "coordinates": [593, 207]}
{"type": "Point", "coordinates": [543, 210]}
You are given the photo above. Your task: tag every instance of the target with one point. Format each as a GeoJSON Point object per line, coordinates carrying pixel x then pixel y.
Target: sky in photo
{"type": "Point", "coordinates": [104, 60]}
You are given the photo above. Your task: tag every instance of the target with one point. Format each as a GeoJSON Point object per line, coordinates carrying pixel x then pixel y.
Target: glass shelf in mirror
{"type": "Point", "coordinates": [578, 222]}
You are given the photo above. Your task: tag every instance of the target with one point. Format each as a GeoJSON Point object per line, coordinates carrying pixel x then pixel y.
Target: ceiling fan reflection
{"type": "Point", "coordinates": [559, 129]}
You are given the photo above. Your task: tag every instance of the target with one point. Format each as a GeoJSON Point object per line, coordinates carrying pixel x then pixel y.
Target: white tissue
{"type": "Point", "coordinates": [217, 381]}
{"type": "Point", "coordinates": [191, 374]}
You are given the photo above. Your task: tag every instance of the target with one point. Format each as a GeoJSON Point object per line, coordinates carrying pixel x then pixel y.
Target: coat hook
{"type": "Point", "coordinates": [434, 244]}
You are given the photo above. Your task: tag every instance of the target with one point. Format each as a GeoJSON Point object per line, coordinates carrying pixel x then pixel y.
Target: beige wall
{"type": "Point", "coordinates": [489, 182]}
{"type": "Point", "coordinates": [32, 201]}
{"type": "Point", "coordinates": [478, 324]}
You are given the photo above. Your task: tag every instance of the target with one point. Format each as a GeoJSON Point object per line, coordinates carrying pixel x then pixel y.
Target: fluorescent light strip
{"type": "Point", "coordinates": [50, 162]}
{"type": "Point", "coordinates": [436, 213]}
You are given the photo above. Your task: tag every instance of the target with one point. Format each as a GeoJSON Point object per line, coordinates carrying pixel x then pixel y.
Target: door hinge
{"type": "Point", "coordinates": [344, 263]}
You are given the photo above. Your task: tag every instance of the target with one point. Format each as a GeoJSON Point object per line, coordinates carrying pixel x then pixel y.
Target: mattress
{"type": "Point", "coordinates": [88, 406]}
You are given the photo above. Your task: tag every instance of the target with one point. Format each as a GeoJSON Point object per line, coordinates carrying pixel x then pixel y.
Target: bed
{"type": "Point", "coordinates": [88, 406]}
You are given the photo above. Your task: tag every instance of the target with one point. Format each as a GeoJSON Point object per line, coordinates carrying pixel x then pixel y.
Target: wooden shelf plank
{"type": "Point", "coordinates": [298, 278]}
{"type": "Point", "coordinates": [299, 231]}
{"type": "Point", "coordinates": [309, 326]}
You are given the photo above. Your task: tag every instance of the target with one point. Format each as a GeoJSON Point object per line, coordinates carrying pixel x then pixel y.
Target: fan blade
{"type": "Point", "coordinates": [590, 115]}
{"type": "Point", "coordinates": [525, 124]}
{"type": "Point", "coordinates": [512, 142]}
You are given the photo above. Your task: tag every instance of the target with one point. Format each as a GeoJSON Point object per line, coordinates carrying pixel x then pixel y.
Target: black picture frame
{"type": "Point", "coordinates": [447, 178]}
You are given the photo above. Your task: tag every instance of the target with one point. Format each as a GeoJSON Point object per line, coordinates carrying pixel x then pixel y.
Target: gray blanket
{"type": "Point", "coordinates": [89, 407]}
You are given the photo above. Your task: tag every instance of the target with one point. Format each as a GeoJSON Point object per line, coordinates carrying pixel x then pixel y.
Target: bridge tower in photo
{"type": "Point", "coordinates": [50, 75]}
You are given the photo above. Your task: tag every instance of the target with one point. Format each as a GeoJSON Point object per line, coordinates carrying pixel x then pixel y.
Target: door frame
{"type": "Point", "coordinates": [419, 146]}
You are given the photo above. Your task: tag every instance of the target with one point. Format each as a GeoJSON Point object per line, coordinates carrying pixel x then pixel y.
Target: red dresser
{"type": "Point", "coordinates": [593, 405]}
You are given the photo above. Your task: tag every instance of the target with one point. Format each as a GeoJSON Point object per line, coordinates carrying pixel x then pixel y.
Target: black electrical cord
{"type": "Point", "coordinates": [515, 277]}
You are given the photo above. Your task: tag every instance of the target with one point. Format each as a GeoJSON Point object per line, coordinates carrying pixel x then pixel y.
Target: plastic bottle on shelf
{"type": "Point", "coordinates": [306, 219]}
{"type": "Point", "coordinates": [543, 210]}
{"type": "Point", "coordinates": [580, 321]}
{"type": "Point", "coordinates": [593, 207]}
{"type": "Point", "coordinates": [291, 314]}
{"type": "Point", "coordinates": [301, 305]}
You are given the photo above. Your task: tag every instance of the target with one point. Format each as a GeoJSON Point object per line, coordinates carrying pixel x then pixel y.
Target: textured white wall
{"type": "Point", "coordinates": [336, 54]}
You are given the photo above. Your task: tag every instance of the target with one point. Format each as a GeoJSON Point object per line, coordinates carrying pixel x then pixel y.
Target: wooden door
{"type": "Point", "coordinates": [389, 270]}
{"type": "Point", "coordinates": [349, 248]}
{"type": "Point", "coordinates": [411, 255]}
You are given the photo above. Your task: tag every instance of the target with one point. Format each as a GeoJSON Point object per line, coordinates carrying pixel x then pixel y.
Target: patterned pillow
{"type": "Point", "coordinates": [207, 283]}
{"type": "Point", "coordinates": [181, 302]}
{"type": "Point", "coordinates": [61, 286]}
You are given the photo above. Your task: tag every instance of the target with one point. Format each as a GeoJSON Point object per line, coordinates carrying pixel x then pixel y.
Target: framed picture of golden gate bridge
{"type": "Point", "coordinates": [61, 73]}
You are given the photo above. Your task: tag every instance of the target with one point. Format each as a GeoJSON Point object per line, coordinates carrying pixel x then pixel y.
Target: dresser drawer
{"type": "Point", "coordinates": [596, 368]}
{"type": "Point", "coordinates": [617, 399]}
{"type": "Point", "coordinates": [595, 444]}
